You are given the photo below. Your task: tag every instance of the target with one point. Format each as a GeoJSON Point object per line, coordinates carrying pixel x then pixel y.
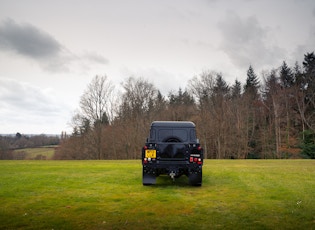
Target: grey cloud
{"type": "Point", "coordinates": [306, 47]}
{"type": "Point", "coordinates": [244, 40]}
{"type": "Point", "coordinates": [28, 40]}
{"type": "Point", "coordinates": [96, 58]}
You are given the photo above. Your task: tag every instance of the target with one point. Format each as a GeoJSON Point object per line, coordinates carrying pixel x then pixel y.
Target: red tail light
{"type": "Point", "coordinates": [145, 147]}
{"type": "Point", "coordinates": [199, 148]}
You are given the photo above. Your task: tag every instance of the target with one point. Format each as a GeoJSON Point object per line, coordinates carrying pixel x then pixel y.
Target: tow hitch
{"type": "Point", "coordinates": [173, 172]}
{"type": "Point", "coordinates": [172, 175]}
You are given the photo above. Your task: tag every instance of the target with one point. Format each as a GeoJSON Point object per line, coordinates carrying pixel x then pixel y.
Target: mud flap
{"type": "Point", "coordinates": [148, 179]}
{"type": "Point", "coordinates": [195, 179]}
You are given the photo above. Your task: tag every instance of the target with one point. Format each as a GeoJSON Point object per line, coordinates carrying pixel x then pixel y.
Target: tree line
{"type": "Point", "coordinates": [271, 116]}
{"type": "Point", "coordinates": [267, 117]}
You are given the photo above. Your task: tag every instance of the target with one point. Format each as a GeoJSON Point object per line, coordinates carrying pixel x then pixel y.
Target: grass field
{"type": "Point", "coordinates": [236, 194]}
{"type": "Point", "coordinates": [39, 153]}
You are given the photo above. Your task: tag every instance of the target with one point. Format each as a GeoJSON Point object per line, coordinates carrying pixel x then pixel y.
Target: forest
{"type": "Point", "coordinates": [271, 116]}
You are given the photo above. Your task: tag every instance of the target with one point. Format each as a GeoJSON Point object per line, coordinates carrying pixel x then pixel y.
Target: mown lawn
{"type": "Point", "coordinates": [236, 194]}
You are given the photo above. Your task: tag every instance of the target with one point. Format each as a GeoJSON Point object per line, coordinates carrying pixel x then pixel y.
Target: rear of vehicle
{"type": "Point", "coordinates": [172, 149]}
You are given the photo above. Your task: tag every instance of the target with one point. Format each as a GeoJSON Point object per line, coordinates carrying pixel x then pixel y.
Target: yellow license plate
{"type": "Point", "coordinates": [150, 153]}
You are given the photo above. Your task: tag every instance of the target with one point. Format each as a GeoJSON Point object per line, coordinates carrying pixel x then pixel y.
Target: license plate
{"type": "Point", "coordinates": [150, 153]}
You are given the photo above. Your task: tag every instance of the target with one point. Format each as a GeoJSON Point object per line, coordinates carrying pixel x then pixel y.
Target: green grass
{"type": "Point", "coordinates": [39, 153]}
{"type": "Point", "coordinates": [236, 194]}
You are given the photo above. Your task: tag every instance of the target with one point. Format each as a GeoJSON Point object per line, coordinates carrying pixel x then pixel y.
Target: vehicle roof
{"type": "Point", "coordinates": [171, 124]}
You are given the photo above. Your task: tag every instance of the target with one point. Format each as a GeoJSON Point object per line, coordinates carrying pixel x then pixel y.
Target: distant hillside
{"type": "Point", "coordinates": [40, 153]}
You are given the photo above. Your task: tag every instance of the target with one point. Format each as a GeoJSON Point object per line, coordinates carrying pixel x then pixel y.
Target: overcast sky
{"type": "Point", "coordinates": [51, 50]}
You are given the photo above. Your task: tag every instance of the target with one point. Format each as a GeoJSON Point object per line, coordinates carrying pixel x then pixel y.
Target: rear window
{"type": "Point", "coordinates": [152, 134]}
{"type": "Point", "coordinates": [192, 134]}
{"type": "Point", "coordinates": [181, 134]}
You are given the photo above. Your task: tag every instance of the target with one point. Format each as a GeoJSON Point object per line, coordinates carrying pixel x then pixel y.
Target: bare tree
{"type": "Point", "coordinates": [96, 111]}
{"type": "Point", "coordinates": [273, 103]}
{"type": "Point", "coordinates": [136, 112]}
{"type": "Point", "coordinates": [201, 87]}
{"type": "Point", "coordinates": [96, 102]}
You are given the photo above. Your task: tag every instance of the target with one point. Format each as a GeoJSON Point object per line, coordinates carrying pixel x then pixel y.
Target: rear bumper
{"type": "Point", "coordinates": [167, 167]}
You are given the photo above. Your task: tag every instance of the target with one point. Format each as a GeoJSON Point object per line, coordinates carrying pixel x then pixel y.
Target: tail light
{"type": "Point", "coordinates": [196, 160]}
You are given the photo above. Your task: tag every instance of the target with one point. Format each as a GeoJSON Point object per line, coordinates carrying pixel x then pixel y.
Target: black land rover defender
{"type": "Point", "coordinates": [172, 149]}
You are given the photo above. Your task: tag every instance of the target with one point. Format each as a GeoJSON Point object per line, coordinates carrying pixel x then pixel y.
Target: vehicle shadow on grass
{"type": "Point", "coordinates": [163, 181]}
